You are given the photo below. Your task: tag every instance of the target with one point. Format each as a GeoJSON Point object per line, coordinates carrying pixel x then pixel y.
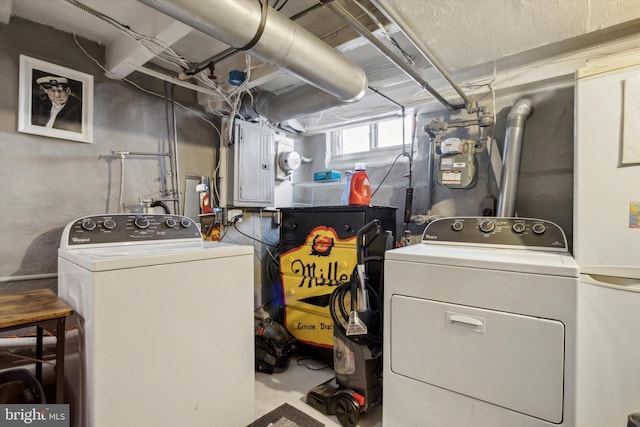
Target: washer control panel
{"type": "Point", "coordinates": [513, 232]}
{"type": "Point", "coordinates": [129, 228]}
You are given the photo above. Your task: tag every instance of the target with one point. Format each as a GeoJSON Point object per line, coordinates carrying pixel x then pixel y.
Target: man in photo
{"type": "Point", "coordinates": [57, 107]}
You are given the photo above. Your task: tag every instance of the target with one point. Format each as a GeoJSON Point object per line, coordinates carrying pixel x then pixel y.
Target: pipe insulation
{"type": "Point", "coordinates": [283, 43]}
{"type": "Point", "coordinates": [516, 119]}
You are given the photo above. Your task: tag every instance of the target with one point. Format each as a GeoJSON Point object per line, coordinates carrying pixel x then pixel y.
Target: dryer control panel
{"type": "Point", "coordinates": [128, 228]}
{"type": "Point", "coordinates": [526, 233]}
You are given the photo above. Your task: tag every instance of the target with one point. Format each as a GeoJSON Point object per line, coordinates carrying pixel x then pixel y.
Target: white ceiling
{"type": "Point", "coordinates": [511, 41]}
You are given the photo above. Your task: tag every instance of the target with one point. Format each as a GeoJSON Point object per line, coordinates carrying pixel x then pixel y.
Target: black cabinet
{"type": "Point", "coordinates": [317, 254]}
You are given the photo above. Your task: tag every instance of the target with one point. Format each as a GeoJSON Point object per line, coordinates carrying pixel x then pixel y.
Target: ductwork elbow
{"type": "Point", "coordinates": [283, 43]}
{"type": "Point", "coordinates": [519, 113]}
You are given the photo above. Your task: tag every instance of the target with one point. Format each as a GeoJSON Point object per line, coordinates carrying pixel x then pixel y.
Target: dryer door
{"type": "Point", "coordinates": [506, 359]}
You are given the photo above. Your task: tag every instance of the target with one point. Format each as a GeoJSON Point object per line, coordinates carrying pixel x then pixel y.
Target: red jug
{"type": "Point", "coordinates": [360, 193]}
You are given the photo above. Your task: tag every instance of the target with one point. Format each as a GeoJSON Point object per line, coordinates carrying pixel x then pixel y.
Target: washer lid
{"type": "Point", "coordinates": [134, 256]}
{"type": "Point", "coordinates": [516, 260]}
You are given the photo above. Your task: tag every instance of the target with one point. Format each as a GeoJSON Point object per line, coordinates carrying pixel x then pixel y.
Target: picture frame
{"type": "Point", "coordinates": [55, 101]}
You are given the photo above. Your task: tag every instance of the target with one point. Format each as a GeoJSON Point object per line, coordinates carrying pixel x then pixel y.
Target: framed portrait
{"type": "Point", "coordinates": [55, 101]}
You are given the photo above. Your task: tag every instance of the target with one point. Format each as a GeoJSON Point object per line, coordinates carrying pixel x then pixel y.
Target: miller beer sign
{"type": "Point", "coordinates": [310, 273]}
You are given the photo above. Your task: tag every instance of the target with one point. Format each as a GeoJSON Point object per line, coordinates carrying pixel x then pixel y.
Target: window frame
{"type": "Point", "coordinates": [375, 155]}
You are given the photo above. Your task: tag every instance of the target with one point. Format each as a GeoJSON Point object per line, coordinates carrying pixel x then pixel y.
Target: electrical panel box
{"type": "Point", "coordinates": [247, 165]}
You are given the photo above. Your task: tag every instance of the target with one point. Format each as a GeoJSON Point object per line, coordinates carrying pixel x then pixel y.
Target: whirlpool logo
{"type": "Point", "coordinates": [34, 415]}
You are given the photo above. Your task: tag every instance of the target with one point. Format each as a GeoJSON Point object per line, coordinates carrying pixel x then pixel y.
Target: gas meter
{"type": "Point", "coordinates": [458, 156]}
{"type": "Point", "coordinates": [457, 163]}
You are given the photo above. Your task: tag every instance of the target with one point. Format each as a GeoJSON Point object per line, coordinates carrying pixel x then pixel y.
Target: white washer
{"type": "Point", "coordinates": [165, 323]}
{"type": "Point", "coordinates": [480, 326]}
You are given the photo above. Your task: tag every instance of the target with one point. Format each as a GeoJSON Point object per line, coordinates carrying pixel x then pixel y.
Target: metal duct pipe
{"type": "Point", "coordinates": [295, 103]}
{"type": "Point", "coordinates": [382, 48]}
{"type": "Point", "coordinates": [422, 48]}
{"type": "Point", "coordinates": [511, 157]}
{"type": "Point", "coordinates": [283, 43]}
{"type": "Point", "coordinates": [232, 50]}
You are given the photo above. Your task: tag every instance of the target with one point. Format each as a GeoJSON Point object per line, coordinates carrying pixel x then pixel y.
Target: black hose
{"type": "Point", "coordinates": [273, 266]}
{"type": "Point", "coordinates": [340, 314]}
{"type": "Point", "coordinates": [162, 204]}
{"type": "Point", "coordinates": [360, 242]}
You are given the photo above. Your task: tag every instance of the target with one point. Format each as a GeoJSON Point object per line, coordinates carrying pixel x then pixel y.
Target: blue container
{"type": "Point", "coordinates": [236, 77]}
{"type": "Point", "coordinates": [326, 176]}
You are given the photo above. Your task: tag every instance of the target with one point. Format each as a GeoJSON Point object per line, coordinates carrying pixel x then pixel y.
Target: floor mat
{"type": "Point", "coordinates": [286, 415]}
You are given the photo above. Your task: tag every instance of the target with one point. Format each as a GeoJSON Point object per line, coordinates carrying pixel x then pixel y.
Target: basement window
{"type": "Point", "coordinates": [370, 137]}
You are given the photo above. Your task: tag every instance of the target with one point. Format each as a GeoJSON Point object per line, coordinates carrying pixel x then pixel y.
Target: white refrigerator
{"type": "Point", "coordinates": [607, 239]}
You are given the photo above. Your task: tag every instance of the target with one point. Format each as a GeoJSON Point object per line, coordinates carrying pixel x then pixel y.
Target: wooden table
{"type": "Point", "coordinates": [33, 308]}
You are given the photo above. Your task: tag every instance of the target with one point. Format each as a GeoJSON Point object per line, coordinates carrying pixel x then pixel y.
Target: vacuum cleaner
{"type": "Point", "coordinates": [272, 344]}
{"type": "Point", "coordinates": [357, 339]}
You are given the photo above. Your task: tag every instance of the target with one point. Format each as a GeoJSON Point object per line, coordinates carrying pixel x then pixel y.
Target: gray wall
{"type": "Point", "coordinates": [545, 187]}
{"type": "Point", "coordinates": [45, 182]}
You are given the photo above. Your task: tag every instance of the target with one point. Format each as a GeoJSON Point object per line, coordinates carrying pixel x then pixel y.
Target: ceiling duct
{"type": "Point", "coordinates": [288, 105]}
{"type": "Point", "coordinates": [275, 39]}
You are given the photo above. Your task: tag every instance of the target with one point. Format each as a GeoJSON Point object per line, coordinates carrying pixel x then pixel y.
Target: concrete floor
{"type": "Point", "coordinates": [292, 386]}
{"type": "Point", "coordinates": [271, 391]}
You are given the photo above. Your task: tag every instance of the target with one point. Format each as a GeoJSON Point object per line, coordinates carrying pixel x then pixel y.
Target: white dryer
{"type": "Point", "coordinates": [480, 326]}
{"type": "Point", "coordinates": [165, 323]}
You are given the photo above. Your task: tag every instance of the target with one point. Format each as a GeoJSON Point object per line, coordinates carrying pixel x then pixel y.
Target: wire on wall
{"type": "Point", "coordinates": [387, 174]}
{"type": "Point", "coordinates": [194, 112]}
{"type": "Point", "coordinates": [251, 237]}
{"type": "Point", "coordinates": [164, 52]}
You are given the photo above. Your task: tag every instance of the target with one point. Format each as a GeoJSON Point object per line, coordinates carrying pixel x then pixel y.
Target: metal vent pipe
{"type": "Point", "coordinates": [511, 157]}
{"type": "Point", "coordinates": [294, 103]}
{"type": "Point", "coordinates": [283, 43]}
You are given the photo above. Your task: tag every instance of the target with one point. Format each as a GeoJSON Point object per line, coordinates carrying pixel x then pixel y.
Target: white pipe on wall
{"type": "Point", "coordinates": [23, 342]}
{"type": "Point", "coordinates": [28, 277]}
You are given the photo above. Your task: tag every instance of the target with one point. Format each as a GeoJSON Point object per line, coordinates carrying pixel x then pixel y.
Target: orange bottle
{"type": "Point", "coordinates": [360, 193]}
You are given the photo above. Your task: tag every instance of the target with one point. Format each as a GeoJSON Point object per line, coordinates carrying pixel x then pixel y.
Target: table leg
{"type": "Point", "coordinates": [60, 338]}
{"type": "Point", "coordinates": [39, 333]}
